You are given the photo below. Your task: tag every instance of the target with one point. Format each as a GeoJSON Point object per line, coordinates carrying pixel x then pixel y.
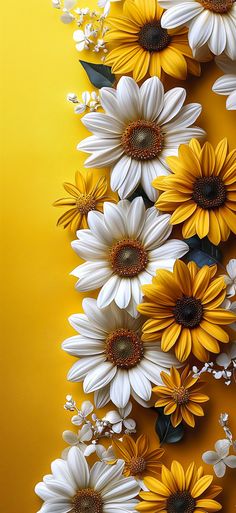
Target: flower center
{"type": "Point", "coordinates": [209, 192]}
{"type": "Point", "coordinates": [137, 466]}
{"type": "Point", "coordinates": [188, 311]}
{"type": "Point", "coordinates": [128, 258]}
{"type": "Point", "coordinates": [85, 203]}
{"type": "Point", "coordinates": [124, 348]}
{"type": "Point", "coordinates": [87, 501]}
{"type": "Point", "coordinates": [180, 395]}
{"type": "Point", "coordinates": [153, 38]}
{"type": "Point", "coordinates": [181, 502]}
{"type": "Point", "coordinates": [217, 6]}
{"type": "Point", "coordinates": [142, 140]}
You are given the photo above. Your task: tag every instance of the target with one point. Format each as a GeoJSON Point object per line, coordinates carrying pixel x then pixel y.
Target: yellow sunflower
{"type": "Point", "coordinates": [140, 45]}
{"type": "Point", "coordinates": [184, 311]}
{"type": "Point", "coordinates": [87, 194]}
{"type": "Point", "coordinates": [201, 192]}
{"type": "Point", "coordinates": [140, 459]}
{"type": "Point", "coordinates": [180, 396]}
{"type": "Point", "coordinates": [180, 492]}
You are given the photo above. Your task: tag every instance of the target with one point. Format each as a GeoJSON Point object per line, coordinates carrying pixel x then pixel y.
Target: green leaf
{"type": "Point", "coordinates": [99, 74]}
{"type": "Point", "coordinates": [166, 432]}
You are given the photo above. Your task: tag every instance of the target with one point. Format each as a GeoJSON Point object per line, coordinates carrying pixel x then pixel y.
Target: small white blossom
{"type": "Point", "coordinates": [85, 434]}
{"type": "Point", "coordinates": [106, 455]}
{"type": "Point", "coordinates": [56, 4]}
{"type": "Point", "coordinates": [118, 419]}
{"type": "Point", "coordinates": [220, 458]}
{"type": "Point", "coordinates": [82, 39]}
{"type": "Point", "coordinates": [86, 409]}
{"type": "Point", "coordinates": [70, 404]}
{"type": "Point", "coordinates": [230, 278]}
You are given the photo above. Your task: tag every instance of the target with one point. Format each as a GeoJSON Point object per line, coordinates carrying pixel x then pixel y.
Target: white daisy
{"type": "Point", "coordinates": [210, 22]}
{"type": "Point", "coordinates": [113, 360]}
{"type": "Point", "coordinates": [226, 85]}
{"type": "Point", "coordinates": [74, 487]}
{"type": "Point", "coordinates": [124, 247]}
{"type": "Point", "coordinates": [139, 129]}
{"type": "Point", "coordinates": [230, 278]}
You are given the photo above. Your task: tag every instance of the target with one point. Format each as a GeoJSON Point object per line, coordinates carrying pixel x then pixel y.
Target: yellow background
{"type": "Point", "coordinates": [39, 136]}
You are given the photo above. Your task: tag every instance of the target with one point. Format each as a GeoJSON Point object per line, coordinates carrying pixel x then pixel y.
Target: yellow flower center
{"type": "Point", "coordinates": [87, 501]}
{"type": "Point", "coordinates": [181, 395]}
{"type": "Point", "coordinates": [128, 258]}
{"type": "Point", "coordinates": [85, 203]}
{"type": "Point", "coordinates": [142, 140]}
{"type": "Point", "coordinates": [181, 502]}
{"type": "Point", "coordinates": [217, 6]}
{"type": "Point", "coordinates": [188, 311]}
{"type": "Point", "coordinates": [124, 348]}
{"type": "Point", "coordinates": [137, 466]}
{"type": "Point", "coordinates": [153, 38]}
{"type": "Point", "coordinates": [209, 192]}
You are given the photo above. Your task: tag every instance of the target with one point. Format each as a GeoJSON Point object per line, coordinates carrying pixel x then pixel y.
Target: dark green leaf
{"type": "Point", "coordinates": [193, 242]}
{"type": "Point", "coordinates": [166, 432]}
{"type": "Point", "coordinates": [99, 74]}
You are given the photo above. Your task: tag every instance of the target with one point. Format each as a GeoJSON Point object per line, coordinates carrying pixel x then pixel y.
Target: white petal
{"type": "Point", "coordinates": [200, 29]}
{"type": "Point", "coordinates": [219, 469]}
{"type": "Point", "coordinates": [113, 417]}
{"type": "Point", "coordinates": [128, 98]}
{"type": "Point", "coordinates": [140, 384]}
{"type": "Point", "coordinates": [108, 292]}
{"type": "Point", "coordinates": [230, 461]}
{"type": "Point", "coordinates": [104, 158]}
{"type": "Point", "coordinates": [99, 377]}
{"type": "Point", "coordinates": [108, 474]}
{"type": "Point", "coordinates": [78, 466]}
{"type": "Point", "coordinates": [109, 102]}
{"type": "Point", "coordinates": [230, 49]}
{"type": "Point", "coordinates": [44, 492]}
{"type": "Point", "coordinates": [132, 179]}
{"type": "Point", "coordinates": [152, 97]}
{"type": "Point", "coordinates": [210, 457]}
{"type": "Point", "coordinates": [78, 346]}
{"type": "Point", "coordinates": [102, 397]}
{"type": "Point", "coordinates": [79, 370]}
{"type": "Point", "coordinates": [120, 389]}
{"type": "Point", "coordinates": [100, 123]}
{"type": "Point", "coordinates": [151, 371]}
{"type": "Point", "coordinates": [150, 170]}
{"type": "Point", "coordinates": [114, 220]}
{"type": "Point", "coordinates": [123, 294]}
{"type": "Point", "coordinates": [217, 41]}
{"type": "Point", "coordinates": [120, 171]}
{"type": "Point", "coordinates": [97, 226]}
{"type": "Point", "coordinates": [222, 448]}
{"type": "Point", "coordinates": [173, 102]}
{"type": "Point", "coordinates": [121, 490]}
{"type": "Point", "coordinates": [231, 101]}
{"type": "Point", "coordinates": [180, 14]}
{"type": "Point", "coordinates": [136, 217]}
{"type": "Point", "coordinates": [186, 117]}
{"type": "Point", "coordinates": [81, 323]}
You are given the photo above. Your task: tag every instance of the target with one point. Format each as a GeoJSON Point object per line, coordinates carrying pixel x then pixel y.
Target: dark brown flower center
{"type": "Point", "coordinates": [181, 502]}
{"type": "Point", "coordinates": [128, 258]}
{"type": "Point", "coordinates": [181, 395]}
{"type": "Point", "coordinates": [124, 348]}
{"type": "Point", "coordinates": [85, 203]}
{"type": "Point", "coordinates": [87, 501]}
{"type": "Point", "coordinates": [137, 466]}
{"type": "Point", "coordinates": [188, 311]}
{"type": "Point", "coordinates": [217, 6]}
{"type": "Point", "coordinates": [142, 140]}
{"type": "Point", "coordinates": [153, 38]}
{"type": "Point", "coordinates": [209, 192]}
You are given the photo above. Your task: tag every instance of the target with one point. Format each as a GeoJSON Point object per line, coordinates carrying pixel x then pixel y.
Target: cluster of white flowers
{"type": "Point", "coordinates": [227, 362]}
{"type": "Point", "coordinates": [89, 101]}
{"type": "Point", "coordinates": [230, 278]}
{"type": "Point", "coordinates": [94, 429]}
{"type": "Point", "coordinates": [92, 29]}
{"type": "Point", "coordinates": [220, 458]}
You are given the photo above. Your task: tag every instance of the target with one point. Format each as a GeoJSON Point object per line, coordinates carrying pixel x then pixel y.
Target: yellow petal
{"type": "Point", "coordinates": [208, 504]}
{"type": "Point", "coordinates": [178, 474]}
{"type": "Point", "coordinates": [220, 155]}
{"type": "Point", "coordinates": [207, 159]}
{"type": "Point", "coordinates": [200, 487]}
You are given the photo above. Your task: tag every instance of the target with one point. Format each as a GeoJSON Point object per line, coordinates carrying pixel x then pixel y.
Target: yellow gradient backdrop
{"type": "Point", "coordinates": [38, 146]}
